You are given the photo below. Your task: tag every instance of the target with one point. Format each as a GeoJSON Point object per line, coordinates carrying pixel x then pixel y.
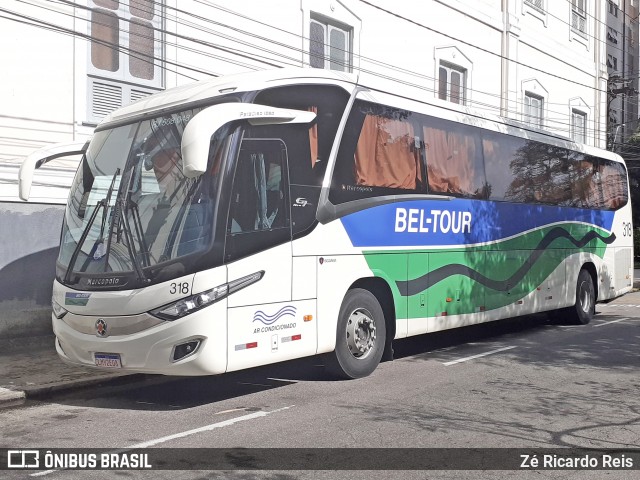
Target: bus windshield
{"type": "Point", "coordinates": [131, 210]}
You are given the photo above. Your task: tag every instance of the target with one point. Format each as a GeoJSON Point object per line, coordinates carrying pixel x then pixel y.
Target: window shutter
{"type": "Point", "coordinates": [138, 94]}
{"type": "Point", "coordinates": [316, 45]}
{"type": "Point", "coordinates": [338, 50]}
{"type": "Point", "coordinates": [104, 98]}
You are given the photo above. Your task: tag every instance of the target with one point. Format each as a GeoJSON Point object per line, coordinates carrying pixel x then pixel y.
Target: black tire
{"type": "Point", "coordinates": [360, 336]}
{"type": "Point", "coordinates": [585, 307]}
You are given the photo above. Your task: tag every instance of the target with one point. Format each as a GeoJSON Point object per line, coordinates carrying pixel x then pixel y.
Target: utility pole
{"type": "Point", "coordinates": [617, 86]}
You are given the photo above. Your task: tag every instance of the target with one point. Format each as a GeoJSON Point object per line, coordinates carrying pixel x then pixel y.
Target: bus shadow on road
{"type": "Point", "coordinates": [485, 332]}
{"type": "Point", "coordinates": [164, 393]}
{"type": "Point", "coordinates": [539, 341]}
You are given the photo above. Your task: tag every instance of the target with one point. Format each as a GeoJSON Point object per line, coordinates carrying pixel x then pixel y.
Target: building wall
{"type": "Point", "coordinates": [37, 81]}
{"type": "Point", "coordinates": [45, 95]}
{"type": "Point", "coordinates": [29, 235]}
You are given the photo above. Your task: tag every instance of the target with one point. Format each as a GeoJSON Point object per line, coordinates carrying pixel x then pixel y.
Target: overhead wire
{"type": "Point", "coordinates": [475, 104]}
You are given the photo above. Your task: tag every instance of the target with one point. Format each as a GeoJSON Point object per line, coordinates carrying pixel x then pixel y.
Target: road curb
{"type": "Point", "coordinates": [41, 391]}
{"type": "Point", "coordinates": [14, 397]}
{"type": "Point", "coordinates": [11, 398]}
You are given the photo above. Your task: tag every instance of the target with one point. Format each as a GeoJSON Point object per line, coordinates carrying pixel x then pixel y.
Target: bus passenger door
{"type": "Point", "coordinates": [264, 325]}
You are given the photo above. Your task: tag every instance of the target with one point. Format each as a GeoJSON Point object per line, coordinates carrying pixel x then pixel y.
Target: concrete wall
{"type": "Point", "coordinates": [29, 240]}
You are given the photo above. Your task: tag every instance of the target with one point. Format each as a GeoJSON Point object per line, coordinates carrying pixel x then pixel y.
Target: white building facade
{"type": "Point", "coordinates": [68, 63]}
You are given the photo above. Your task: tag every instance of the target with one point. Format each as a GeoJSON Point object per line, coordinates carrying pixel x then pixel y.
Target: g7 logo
{"type": "Point", "coordinates": [301, 202]}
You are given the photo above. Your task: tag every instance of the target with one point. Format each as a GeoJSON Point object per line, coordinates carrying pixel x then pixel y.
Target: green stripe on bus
{"type": "Point", "coordinates": [481, 277]}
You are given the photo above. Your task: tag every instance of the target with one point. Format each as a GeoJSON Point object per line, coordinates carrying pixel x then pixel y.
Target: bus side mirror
{"type": "Point", "coordinates": [196, 138]}
{"type": "Point", "coordinates": [42, 156]}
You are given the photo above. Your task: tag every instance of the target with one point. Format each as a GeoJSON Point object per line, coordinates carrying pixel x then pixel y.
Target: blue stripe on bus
{"type": "Point", "coordinates": [457, 222]}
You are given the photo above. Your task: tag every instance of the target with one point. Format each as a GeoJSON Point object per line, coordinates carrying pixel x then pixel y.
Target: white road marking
{"type": "Point", "coordinates": [206, 428]}
{"type": "Point", "coordinates": [612, 321]}
{"type": "Point", "coordinates": [477, 356]}
{"type": "Point", "coordinates": [187, 433]}
{"type": "Point", "coordinates": [231, 411]}
{"type": "Point", "coordinates": [283, 380]}
{"type": "Point", "coordinates": [255, 384]}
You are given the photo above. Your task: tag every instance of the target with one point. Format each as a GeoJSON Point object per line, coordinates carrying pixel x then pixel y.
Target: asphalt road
{"type": "Point", "coordinates": [521, 383]}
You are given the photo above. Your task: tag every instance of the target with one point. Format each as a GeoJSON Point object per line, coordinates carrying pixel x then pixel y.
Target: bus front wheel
{"type": "Point", "coordinates": [361, 336]}
{"type": "Point", "coordinates": [585, 306]}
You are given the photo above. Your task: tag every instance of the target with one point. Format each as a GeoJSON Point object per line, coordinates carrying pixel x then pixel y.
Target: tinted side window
{"type": "Point", "coordinates": [526, 171]}
{"type": "Point", "coordinates": [387, 151]}
{"type": "Point", "coordinates": [614, 185]}
{"type": "Point", "coordinates": [259, 210]}
{"type": "Point", "coordinates": [538, 174]}
{"type": "Point", "coordinates": [309, 146]}
{"type": "Point", "coordinates": [380, 154]}
{"type": "Point", "coordinates": [454, 159]}
{"type": "Point", "coordinates": [498, 151]}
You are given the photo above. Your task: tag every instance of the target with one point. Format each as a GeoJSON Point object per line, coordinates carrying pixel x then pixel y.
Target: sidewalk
{"type": "Point", "coordinates": [30, 367]}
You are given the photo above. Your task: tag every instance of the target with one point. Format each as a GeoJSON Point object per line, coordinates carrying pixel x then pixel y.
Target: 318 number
{"type": "Point", "coordinates": [626, 229]}
{"type": "Point", "coordinates": [182, 288]}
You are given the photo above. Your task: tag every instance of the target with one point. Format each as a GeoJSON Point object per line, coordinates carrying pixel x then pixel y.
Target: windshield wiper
{"type": "Point", "coordinates": [104, 204]}
{"type": "Point", "coordinates": [99, 248]}
{"type": "Point", "coordinates": [120, 217]}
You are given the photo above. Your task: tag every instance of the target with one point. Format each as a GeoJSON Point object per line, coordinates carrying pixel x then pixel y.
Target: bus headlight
{"type": "Point", "coordinates": [191, 304]}
{"type": "Point", "coordinates": [58, 310]}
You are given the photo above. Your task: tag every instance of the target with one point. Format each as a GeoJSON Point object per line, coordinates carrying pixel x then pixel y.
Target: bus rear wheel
{"type": "Point", "coordinates": [585, 306]}
{"type": "Point", "coordinates": [361, 336]}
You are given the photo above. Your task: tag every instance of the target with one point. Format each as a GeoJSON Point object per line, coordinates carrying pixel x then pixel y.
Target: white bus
{"type": "Point", "coordinates": [255, 219]}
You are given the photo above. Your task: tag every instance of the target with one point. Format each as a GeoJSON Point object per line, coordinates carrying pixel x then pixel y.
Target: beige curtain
{"type": "Point", "coordinates": [450, 161]}
{"type": "Point", "coordinates": [385, 155]}
{"type": "Point", "coordinates": [313, 139]}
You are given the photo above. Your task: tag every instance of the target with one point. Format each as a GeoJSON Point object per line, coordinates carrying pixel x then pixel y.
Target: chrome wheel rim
{"type": "Point", "coordinates": [361, 333]}
{"type": "Point", "coordinates": [584, 296]}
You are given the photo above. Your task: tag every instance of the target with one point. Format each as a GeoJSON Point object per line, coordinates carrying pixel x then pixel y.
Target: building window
{"type": "Point", "coordinates": [612, 62]}
{"type": "Point", "coordinates": [536, 9]}
{"type": "Point", "coordinates": [533, 109]}
{"type": "Point", "coordinates": [452, 83]}
{"type": "Point", "coordinates": [104, 40]}
{"type": "Point", "coordinates": [613, 9]}
{"type": "Point", "coordinates": [537, 4]}
{"type": "Point", "coordinates": [579, 17]}
{"type": "Point", "coordinates": [125, 53]}
{"type": "Point", "coordinates": [579, 126]}
{"type": "Point", "coordinates": [330, 45]}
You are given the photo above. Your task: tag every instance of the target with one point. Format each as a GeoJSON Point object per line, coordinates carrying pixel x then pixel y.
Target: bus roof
{"type": "Point", "coordinates": [204, 89]}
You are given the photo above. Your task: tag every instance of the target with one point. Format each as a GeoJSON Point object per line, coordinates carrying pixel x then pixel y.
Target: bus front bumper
{"type": "Point", "coordinates": [193, 345]}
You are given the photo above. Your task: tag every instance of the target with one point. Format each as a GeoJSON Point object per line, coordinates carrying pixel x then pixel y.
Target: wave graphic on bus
{"type": "Point", "coordinates": [422, 283]}
{"type": "Point", "coordinates": [260, 316]}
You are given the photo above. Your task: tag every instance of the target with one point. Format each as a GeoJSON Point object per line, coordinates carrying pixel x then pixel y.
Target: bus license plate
{"type": "Point", "coordinates": [108, 360]}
